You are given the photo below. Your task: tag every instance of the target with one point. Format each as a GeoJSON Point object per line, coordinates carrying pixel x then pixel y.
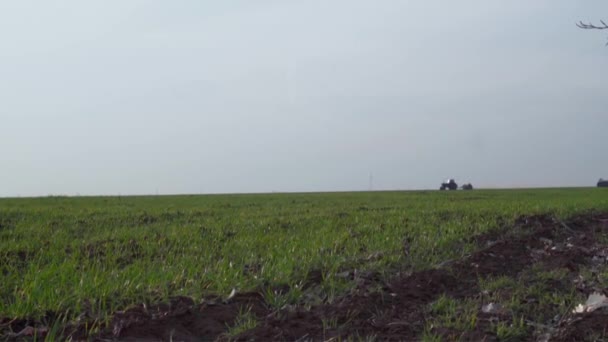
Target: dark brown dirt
{"type": "Point", "coordinates": [387, 310]}
{"type": "Point", "coordinates": [391, 314]}
{"type": "Point", "coordinates": [591, 326]}
{"type": "Point", "coordinates": [183, 320]}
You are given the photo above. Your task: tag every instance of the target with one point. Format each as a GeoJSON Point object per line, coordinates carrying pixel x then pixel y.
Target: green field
{"type": "Point", "coordinates": [66, 255]}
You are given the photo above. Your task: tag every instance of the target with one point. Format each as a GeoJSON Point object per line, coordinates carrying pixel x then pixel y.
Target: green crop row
{"type": "Point", "coordinates": [60, 254]}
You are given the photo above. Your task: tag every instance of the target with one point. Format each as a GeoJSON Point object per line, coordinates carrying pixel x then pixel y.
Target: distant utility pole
{"type": "Point", "coordinates": [371, 181]}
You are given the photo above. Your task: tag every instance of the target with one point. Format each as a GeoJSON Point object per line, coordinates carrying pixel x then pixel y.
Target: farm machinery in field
{"type": "Point", "coordinates": [451, 184]}
{"type": "Point", "coordinates": [602, 183]}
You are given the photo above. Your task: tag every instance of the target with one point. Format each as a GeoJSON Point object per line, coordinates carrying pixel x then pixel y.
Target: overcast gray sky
{"type": "Point", "coordinates": [135, 97]}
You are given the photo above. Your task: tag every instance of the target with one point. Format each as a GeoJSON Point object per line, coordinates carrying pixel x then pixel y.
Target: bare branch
{"type": "Point", "coordinates": [590, 26]}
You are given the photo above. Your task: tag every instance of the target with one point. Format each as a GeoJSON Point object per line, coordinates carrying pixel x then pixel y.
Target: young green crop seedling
{"type": "Point", "coordinates": [116, 253]}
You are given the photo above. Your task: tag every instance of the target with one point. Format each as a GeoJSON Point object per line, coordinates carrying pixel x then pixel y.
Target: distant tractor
{"type": "Point", "coordinates": [602, 183]}
{"type": "Point", "coordinates": [467, 186]}
{"type": "Point", "coordinates": [450, 184]}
